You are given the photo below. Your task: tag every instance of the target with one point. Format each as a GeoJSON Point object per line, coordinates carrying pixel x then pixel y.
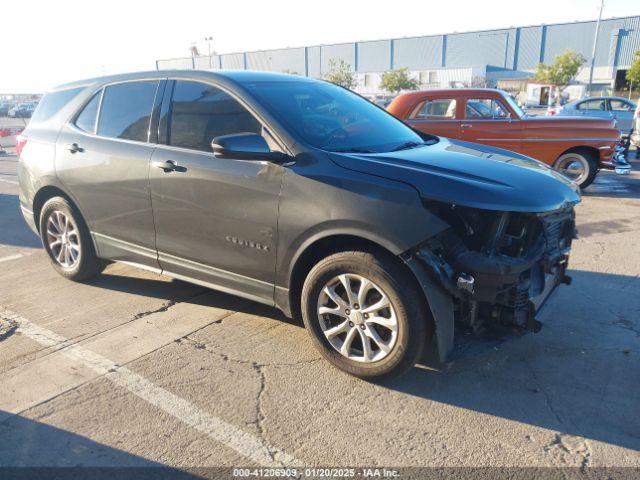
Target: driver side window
{"type": "Point", "coordinates": [199, 112]}
{"type": "Point", "coordinates": [486, 108]}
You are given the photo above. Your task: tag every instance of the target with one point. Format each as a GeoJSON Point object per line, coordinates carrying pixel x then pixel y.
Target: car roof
{"type": "Point", "coordinates": [238, 76]}
{"type": "Point", "coordinates": [440, 92]}
{"type": "Point", "coordinates": [586, 99]}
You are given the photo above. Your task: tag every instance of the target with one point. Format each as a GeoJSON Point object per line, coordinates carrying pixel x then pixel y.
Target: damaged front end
{"type": "Point", "coordinates": [492, 268]}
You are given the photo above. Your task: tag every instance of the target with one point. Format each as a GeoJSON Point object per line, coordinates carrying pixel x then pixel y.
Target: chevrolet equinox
{"type": "Point", "coordinates": [299, 194]}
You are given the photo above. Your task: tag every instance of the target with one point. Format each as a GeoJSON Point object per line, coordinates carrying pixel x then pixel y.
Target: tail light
{"type": "Point", "coordinates": [21, 141]}
{"type": "Point", "coordinates": [552, 111]}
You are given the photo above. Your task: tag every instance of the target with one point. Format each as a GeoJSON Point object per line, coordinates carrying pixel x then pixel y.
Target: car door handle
{"type": "Point", "coordinates": [74, 148]}
{"type": "Point", "coordinates": [168, 166]}
{"type": "Point", "coordinates": [466, 125]}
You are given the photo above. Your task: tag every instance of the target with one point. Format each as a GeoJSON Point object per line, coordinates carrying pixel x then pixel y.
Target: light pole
{"type": "Point", "coordinates": [209, 40]}
{"type": "Point", "coordinates": [593, 52]}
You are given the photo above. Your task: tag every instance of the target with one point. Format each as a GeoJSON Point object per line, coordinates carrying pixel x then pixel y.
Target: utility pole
{"type": "Point", "coordinates": [209, 40]}
{"type": "Point", "coordinates": [593, 52]}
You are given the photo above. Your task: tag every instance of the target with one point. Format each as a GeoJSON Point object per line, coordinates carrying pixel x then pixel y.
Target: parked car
{"type": "Point", "coordinates": [24, 110]}
{"type": "Point", "coordinates": [577, 147]}
{"type": "Point", "coordinates": [635, 136]}
{"type": "Point", "coordinates": [4, 108]}
{"type": "Point", "coordinates": [617, 108]}
{"type": "Point", "coordinates": [300, 194]}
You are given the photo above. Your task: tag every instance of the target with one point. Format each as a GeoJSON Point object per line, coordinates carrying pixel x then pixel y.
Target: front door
{"type": "Point", "coordinates": [103, 159]}
{"type": "Point", "coordinates": [490, 122]}
{"type": "Point", "coordinates": [216, 219]}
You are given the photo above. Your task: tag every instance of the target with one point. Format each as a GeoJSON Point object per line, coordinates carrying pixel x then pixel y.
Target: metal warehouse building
{"type": "Point", "coordinates": [451, 59]}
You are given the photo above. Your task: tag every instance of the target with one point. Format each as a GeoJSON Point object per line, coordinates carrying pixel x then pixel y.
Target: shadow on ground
{"type": "Point", "coordinates": [610, 184]}
{"type": "Point", "coordinates": [13, 229]}
{"type": "Point", "coordinates": [34, 450]}
{"type": "Point", "coordinates": [580, 375]}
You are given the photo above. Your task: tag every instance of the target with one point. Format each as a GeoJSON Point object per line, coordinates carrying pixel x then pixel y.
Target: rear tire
{"type": "Point", "coordinates": [67, 241]}
{"type": "Point", "coordinates": [579, 166]}
{"type": "Point", "coordinates": [378, 331]}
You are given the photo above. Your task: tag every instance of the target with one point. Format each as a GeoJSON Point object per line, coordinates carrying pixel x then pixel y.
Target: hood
{"type": "Point", "coordinates": [471, 175]}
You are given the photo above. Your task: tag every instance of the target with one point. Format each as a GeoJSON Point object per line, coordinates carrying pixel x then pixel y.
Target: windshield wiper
{"type": "Point", "coordinates": [406, 145]}
{"type": "Point", "coordinates": [352, 150]}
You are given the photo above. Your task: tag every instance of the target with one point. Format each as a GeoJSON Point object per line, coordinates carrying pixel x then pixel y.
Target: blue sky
{"type": "Point", "coordinates": [68, 39]}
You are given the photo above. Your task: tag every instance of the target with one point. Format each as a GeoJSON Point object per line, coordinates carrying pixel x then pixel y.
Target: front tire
{"type": "Point", "coordinates": [578, 166]}
{"type": "Point", "coordinates": [365, 314]}
{"type": "Point", "coordinates": [67, 241]}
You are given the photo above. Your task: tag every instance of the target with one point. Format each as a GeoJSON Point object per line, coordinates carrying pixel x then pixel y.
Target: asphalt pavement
{"type": "Point", "coordinates": [135, 369]}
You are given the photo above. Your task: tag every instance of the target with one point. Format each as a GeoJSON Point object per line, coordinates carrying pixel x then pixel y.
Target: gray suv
{"type": "Point", "coordinates": [300, 194]}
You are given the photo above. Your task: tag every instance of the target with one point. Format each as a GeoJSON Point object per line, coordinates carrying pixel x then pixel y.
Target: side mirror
{"type": "Point", "coordinates": [246, 146]}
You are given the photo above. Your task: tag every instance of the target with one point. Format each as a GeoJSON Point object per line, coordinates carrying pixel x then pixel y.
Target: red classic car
{"type": "Point", "coordinates": [577, 147]}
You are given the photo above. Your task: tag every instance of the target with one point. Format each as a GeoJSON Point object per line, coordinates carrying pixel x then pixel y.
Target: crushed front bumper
{"type": "Point", "coordinates": [475, 289]}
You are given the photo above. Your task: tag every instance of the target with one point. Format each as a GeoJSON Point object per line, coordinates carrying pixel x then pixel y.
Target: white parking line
{"type": "Point", "coordinates": [242, 442]}
{"type": "Point", "coordinates": [12, 182]}
{"type": "Point", "coordinates": [13, 257]}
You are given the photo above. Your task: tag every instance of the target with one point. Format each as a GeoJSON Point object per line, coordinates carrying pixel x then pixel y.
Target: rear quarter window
{"type": "Point", "coordinates": [86, 120]}
{"type": "Point", "coordinates": [52, 103]}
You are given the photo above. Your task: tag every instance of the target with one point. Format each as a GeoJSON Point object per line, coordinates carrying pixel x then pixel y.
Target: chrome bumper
{"type": "Point", "coordinates": [618, 162]}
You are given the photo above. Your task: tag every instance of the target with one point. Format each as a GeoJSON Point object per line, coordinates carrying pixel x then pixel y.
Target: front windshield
{"type": "Point", "coordinates": [333, 118]}
{"type": "Point", "coordinates": [514, 105]}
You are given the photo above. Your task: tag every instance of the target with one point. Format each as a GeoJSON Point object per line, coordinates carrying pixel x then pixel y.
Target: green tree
{"type": "Point", "coordinates": [396, 80]}
{"type": "Point", "coordinates": [341, 74]}
{"type": "Point", "coordinates": [563, 69]}
{"type": "Point", "coordinates": [633, 74]}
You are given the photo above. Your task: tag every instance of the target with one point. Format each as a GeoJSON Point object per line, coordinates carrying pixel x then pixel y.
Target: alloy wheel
{"type": "Point", "coordinates": [63, 239]}
{"type": "Point", "coordinates": [357, 318]}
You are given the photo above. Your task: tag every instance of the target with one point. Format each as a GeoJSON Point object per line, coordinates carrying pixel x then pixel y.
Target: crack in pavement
{"type": "Point", "coordinates": [545, 394]}
{"type": "Point", "coordinates": [82, 337]}
{"type": "Point", "coordinates": [260, 414]}
{"type": "Point", "coordinates": [247, 445]}
{"type": "Point", "coordinates": [167, 305]}
{"type": "Point", "coordinates": [259, 368]}
{"type": "Point", "coordinates": [210, 348]}
{"type": "Point", "coordinates": [623, 322]}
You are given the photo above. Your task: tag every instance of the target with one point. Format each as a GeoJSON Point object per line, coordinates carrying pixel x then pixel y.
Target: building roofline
{"type": "Point", "coordinates": [347, 42]}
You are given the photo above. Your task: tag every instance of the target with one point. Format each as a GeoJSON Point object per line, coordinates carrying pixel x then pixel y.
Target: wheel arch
{"type": "Point", "coordinates": [42, 196]}
{"type": "Point", "coordinates": [322, 247]}
{"type": "Point", "coordinates": [590, 151]}
{"type": "Point", "coordinates": [47, 192]}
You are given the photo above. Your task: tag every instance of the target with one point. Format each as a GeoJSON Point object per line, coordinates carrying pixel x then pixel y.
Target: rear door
{"type": "Point", "coordinates": [103, 157]}
{"type": "Point", "coordinates": [216, 219]}
{"type": "Point", "coordinates": [489, 121]}
{"type": "Point", "coordinates": [437, 116]}
{"type": "Point", "coordinates": [622, 111]}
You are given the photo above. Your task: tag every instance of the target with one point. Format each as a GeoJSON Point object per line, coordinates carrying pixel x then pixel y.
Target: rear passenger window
{"type": "Point", "coordinates": [87, 119]}
{"type": "Point", "coordinates": [200, 112]}
{"type": "Point", "coordinates": [597, 104]}
{"type": "Point", "coordinates": [126, 110]}
{"type": "Point", "coordinates": [441, 108]}
{"type": "Point", "coordinates": [51, 104]}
